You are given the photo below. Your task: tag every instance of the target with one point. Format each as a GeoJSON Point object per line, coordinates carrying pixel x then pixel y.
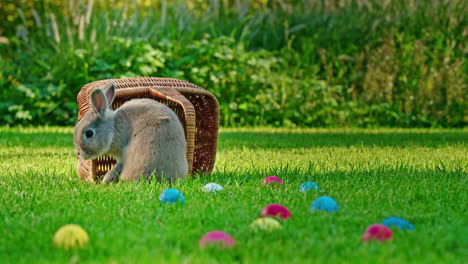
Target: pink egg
{"type": "Point", "coordinates": [272, 180]}
{"type": "Point", "coordinates": [378, 232]}
{"type": "Point", "coordinates": [217, 238]}
{"type": "Point", "coordinates": [275, 210]}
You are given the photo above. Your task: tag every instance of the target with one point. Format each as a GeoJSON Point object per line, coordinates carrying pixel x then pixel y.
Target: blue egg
{"type": "Point", "coordinates": [325, 203]}
{"type": "Point", "coordinates": [401, 223]}
{"type": "Point", "coordinates": [171, 196]}
{"type": "Point", "coordinates": [308, 186]}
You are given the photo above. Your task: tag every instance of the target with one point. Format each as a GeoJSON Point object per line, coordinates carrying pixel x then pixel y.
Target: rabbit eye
{"type": "Point", "coordinates": [89, 133]}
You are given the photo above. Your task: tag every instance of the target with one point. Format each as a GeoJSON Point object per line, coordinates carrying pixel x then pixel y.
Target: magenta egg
{"type": "Point", "coordinates": [377, 232]}
{"type": "Point", "coordinates": [272, 180]}
{"type": "Point", "coordinates": [275, 210]}
{"type": "Point", "coordinates": [217, 238]}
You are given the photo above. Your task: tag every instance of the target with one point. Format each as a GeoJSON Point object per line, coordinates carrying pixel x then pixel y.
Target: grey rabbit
{"type": "Point", "coordinates": [144, 136]}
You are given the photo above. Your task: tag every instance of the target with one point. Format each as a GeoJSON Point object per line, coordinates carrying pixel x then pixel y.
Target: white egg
{"type": "Point", "coordinates": [212, 187]}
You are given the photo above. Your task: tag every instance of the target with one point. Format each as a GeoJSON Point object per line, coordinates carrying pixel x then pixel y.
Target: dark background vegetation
{"type": "Point", "coordinates": [269, 62]}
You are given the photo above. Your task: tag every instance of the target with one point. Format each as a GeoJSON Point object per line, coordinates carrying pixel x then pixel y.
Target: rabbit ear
{"type": "Point", "coordinates": [99, 101]}
{"type": "Point", "coordinates": [109, 91]}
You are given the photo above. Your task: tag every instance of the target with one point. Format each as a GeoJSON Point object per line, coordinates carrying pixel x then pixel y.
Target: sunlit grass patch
{"type": "Point", "coordinates": [419, 175]}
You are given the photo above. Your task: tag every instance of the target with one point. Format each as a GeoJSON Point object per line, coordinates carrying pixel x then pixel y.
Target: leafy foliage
{"type": "Point", "coordinates": [278, 63]}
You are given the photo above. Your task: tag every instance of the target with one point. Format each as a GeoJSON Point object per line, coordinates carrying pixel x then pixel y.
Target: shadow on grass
{"type": "Point", "coordinates": [267, 140]}
{"type": "Point", "coordinates": [288, 140]}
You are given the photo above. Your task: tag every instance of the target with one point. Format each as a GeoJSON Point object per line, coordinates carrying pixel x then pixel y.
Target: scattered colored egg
{"type": "Point", "coordinates": [401, 223]}
{"type": "Point", "coordinates": [325, 203]}
{"type": "Point", "coordinates": [275, 210]}
{"type": "Point", "coordinates": [266, 224]}
{"type": "Point", "coordinates": [272, 180]}
{"type": "Point", "coordinates": [212, 187]}
{"type": "Point", "coordinates": [377, 232]}
{"type": "Point", "coordinates": [171, 196]}
{"type": "Point", "coordinates": [71, 236]}
{"type": "Point", "coordinates": [308, 186]}
{"type": "Point", "coordinates": [216, 238]}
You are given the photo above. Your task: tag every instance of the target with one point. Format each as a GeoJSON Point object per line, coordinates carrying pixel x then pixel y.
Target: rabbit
{"type": "Point", "coordinates": [144, 136]}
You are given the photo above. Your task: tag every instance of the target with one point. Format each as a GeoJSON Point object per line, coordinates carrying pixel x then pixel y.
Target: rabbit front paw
{"type": "Point", "coordinates": [113, 174]}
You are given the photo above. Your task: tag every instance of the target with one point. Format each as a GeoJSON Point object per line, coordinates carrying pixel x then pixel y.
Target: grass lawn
{"type": "Point", "coordinates": [420, 175]}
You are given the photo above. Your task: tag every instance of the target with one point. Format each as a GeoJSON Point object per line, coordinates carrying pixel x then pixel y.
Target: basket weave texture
{"type": "Point", "coordinates": [197, 109]}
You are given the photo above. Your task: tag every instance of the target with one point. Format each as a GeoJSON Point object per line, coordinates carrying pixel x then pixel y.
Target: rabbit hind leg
{"type": "Point", "coordinates": [137, 163]}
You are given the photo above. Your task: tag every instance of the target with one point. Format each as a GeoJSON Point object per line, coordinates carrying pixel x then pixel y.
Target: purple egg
{"type": "Point", "coordinates": [217, 238]}
{"type": "Point", "coordinates": [272, 180]}
{"type": "Point", "coordinates": [377, 232]}
{"type": "Point", "coordinates": [275, 210]}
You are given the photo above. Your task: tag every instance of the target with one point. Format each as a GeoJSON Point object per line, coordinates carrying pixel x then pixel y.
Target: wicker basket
{"type": "Point", "coordinates": [197, 109]}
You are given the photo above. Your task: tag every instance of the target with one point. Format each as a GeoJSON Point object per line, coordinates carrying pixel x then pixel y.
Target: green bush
{"type": "Point", "coordinates": [270, 63]}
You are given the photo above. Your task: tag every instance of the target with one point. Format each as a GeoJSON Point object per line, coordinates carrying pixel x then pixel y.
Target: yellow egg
{"type": "Point", "coordinates": [71, 236]}
{"type": "Point", "coordinates": [265, 224]}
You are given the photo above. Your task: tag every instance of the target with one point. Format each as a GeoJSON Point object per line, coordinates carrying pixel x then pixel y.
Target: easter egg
{"type": "Point", "coordinates": [266, 224]}
{"type": "Point", "coordinates": [401, 223]}
{"type": "Point", "coordinates": [275, 210]}
{"type": "Point", "coordinates": [308, 186]}
{"type": "Point", "coordinates": [71, 236]}
{"type": "Point", "coordinates": [216, 238]}
{"type": "Point", "coordinates": [325, 203]}
{"type": "Point", "coordinates": [171, 196]}
{"type": "Point", "coordinates": [212, 187]}
{"type": "Point", "coordinates": [272, 180]}
{"type": "Point", "coordinates": [377, 232]}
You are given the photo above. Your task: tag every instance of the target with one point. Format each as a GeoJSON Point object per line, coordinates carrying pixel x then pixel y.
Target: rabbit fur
{"type": "Point", "coordinates": [144, 136]}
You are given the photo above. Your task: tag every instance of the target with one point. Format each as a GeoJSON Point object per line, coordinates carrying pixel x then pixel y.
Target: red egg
{"type": "Point", "coordinates": [275, 210]}
{"type": "Point", "coordinates": [378, 232]}
{"type": "Point", "coordinates": [272, 180]}
{"type": "Point", "coordinates": [217, 238]}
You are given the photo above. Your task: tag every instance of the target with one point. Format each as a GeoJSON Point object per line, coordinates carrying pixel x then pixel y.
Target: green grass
{"type": "Point", "coordinates": [420, 175]}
